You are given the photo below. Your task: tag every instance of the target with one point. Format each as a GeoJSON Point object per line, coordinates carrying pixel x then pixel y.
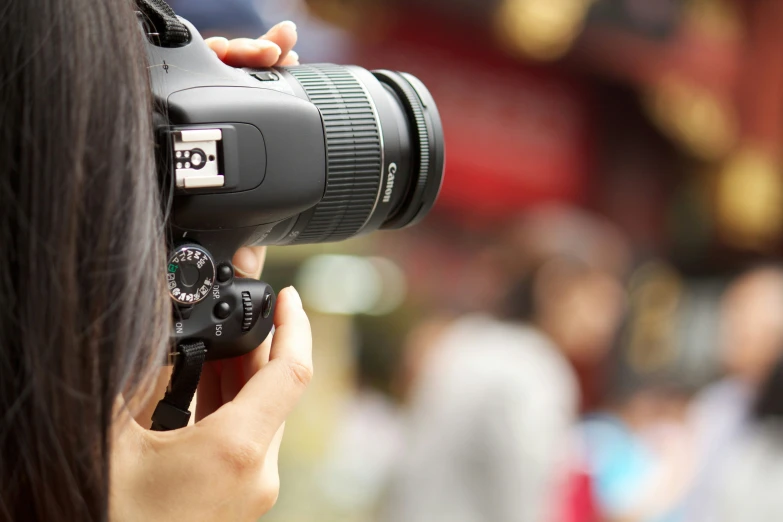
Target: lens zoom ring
{"type": "Point", "coordinates": [353, 151]}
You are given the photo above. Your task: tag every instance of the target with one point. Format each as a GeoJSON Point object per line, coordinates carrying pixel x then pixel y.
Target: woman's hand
{"type": "Point", "coordinates": [224, 467]}
{"type": "Point", "coordinates": [274, 48]}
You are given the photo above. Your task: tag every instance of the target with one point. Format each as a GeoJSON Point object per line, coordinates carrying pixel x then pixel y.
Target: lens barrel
{"type": "Point", "coordinates": [384, 152]}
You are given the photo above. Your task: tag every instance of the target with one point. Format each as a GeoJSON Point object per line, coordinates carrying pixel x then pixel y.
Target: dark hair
{"type": "Point", "coordinates": [82, 310]}
{"type": "Point", "coordinates": [521, 302]}
{"type": "Point", "coordinates": [769, 403]}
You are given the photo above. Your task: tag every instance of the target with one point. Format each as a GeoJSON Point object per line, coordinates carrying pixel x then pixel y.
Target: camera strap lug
{"type": "Point", "coordinates": [172, 412]}
{"type": "Point", "coordinates": [170, 30]}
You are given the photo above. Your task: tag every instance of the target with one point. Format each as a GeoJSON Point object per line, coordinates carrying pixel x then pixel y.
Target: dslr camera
{"type": "Point", "coordinates": [280, 156]}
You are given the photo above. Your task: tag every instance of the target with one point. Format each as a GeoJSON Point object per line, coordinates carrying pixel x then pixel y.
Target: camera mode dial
{"type": "Point", "coordinates": [190, 274]}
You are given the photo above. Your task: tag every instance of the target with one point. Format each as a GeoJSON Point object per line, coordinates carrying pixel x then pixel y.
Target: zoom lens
{"type": "Point", "coordinates": [384, 152]}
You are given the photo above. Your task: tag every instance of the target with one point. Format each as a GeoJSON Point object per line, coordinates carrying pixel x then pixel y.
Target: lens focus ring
{"type": "Point", "coordinates": [354, 152]}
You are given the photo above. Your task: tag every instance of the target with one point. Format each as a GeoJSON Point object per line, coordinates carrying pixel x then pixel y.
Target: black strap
{"type": "Point", "coordinates": [171, 31]}
{"type": "Point", "coordinates": [172, 411]}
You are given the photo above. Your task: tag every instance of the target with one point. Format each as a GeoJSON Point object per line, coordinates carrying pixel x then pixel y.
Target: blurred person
{"type": "Point", "coordinates": [749, 484]}
{"type": "Point", "coordinates": [636, 447]}
{"type": "Point", "coordinates": [566, 269]}
{"type": "Point", "coordinates": [752, 343]}
{"type": "Point", "coordinates": [85, 320]}
{"type": "Point", "coordinates": [636, 453]}
{"type": "Point", "coordinates": [493, 399]}
{"type": "Point", "coordinates": [368, 439]}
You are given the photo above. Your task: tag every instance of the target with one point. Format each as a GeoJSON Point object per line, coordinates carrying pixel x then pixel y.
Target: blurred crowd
{"type": "Point", "coordinates": [554, 393]}
{"type": "Point", "coordinates": [589, 326]}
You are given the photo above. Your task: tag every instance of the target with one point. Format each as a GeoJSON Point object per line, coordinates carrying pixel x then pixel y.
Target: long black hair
{"type": "Point", "coordinates": [82, 310]}
{"type": "Point", "coordinates": [769, 404]}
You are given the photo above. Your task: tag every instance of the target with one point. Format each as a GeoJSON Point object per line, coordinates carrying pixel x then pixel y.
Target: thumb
{"type": "Point", "coordinates": [262, 405]}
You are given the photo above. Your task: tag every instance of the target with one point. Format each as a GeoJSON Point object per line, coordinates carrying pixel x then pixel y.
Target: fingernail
{"type": "Point", "coordinates": [289, 24]}
{"type": "Point", "coordinates": [219, 45]}
{"type": "Point", "coordinates": [294, 296]}
{"type": "Point", "coordinates": [216, 39]}
{"type": "Point", "coordinates": [293, 55]}
{"type": "Point", "coordinates": [245, 262]}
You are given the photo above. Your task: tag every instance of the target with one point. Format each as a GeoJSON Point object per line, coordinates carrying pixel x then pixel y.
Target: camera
{"type": "Point", "coordinates": [280, 156]}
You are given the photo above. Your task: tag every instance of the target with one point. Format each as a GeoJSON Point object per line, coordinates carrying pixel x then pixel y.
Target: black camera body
{"type": "Point", "coordinates": [279, 156]}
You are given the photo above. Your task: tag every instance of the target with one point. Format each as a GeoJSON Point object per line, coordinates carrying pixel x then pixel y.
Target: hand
{"type": "Point", "coordinates": [274, 48]}
{"type": "Point", "coordinates": [225, 466]}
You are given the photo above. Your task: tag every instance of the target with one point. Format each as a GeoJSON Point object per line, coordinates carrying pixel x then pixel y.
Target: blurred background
{"type": "Point", "coordinates": [589, 324]}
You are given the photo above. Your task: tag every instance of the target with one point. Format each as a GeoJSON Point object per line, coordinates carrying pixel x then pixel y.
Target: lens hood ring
{"type": "Point", "coordinates": [414, 107]}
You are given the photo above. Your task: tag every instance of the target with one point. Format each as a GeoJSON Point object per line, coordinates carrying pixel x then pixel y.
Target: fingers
{"type": "Point", "coordinates": [219, 45]}
{"type": "Point", "coordinates": [246, 52]}
{"type": "Point", "coordinates": [293, 340]}
{"type": "Point", "coordinates": [238, 445]}
{"type": "Point", "coordinates": [291, 59]}
{"type": "Point", "coordinates": [221, 380]}
{"type": "Point", "coordinates": [274, 48]}
{"type": "Point", "coordinates": [249, 261]}
{"type": "Point", "coordinates": [265, 401]}
{"type": "Point", "coordinates": [284, 35]}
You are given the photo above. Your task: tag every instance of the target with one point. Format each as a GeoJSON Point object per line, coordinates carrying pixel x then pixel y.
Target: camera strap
{"type": "Point", "coordinates": [171, 31]}
{"type": "Point", "coordinates": [172, 412]}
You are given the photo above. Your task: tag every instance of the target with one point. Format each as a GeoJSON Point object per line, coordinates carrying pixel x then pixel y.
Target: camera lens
{"type": "Point", "coordinates": [384, 152]}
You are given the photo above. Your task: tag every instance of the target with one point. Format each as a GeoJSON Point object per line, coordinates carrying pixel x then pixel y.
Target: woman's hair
{"type": "Point", "coordinates": [83, 316]}
{"type": "Point", "coordinates": [769, 403]}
